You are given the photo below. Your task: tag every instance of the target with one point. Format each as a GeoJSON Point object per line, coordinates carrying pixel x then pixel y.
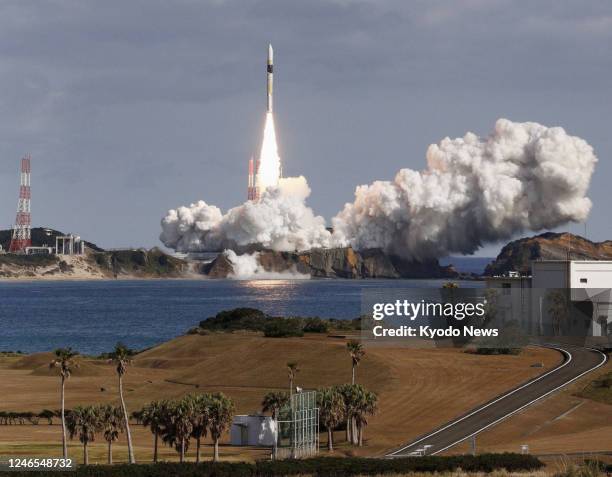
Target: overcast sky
{"type": "Point", "coordinates": [130, 108]}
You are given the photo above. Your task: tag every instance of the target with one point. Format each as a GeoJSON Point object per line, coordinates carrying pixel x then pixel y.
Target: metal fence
{"type": "Point", "coordinates": [298, 427]}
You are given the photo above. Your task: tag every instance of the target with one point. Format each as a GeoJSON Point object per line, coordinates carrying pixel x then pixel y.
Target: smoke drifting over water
{"type": "Point", "coordinates": [524, 176]}
{"type": "Point", "coordinates": [247, 267]}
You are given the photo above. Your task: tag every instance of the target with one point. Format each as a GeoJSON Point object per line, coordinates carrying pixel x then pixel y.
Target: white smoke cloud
{"type": "Point", "coordinates": [280, 221]}
{"type": "Point", "coordinates": [524, 176]}
{"type": "Point", "coordinates": [247, 267]}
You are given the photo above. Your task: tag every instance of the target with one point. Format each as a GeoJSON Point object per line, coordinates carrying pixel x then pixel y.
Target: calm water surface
{"type": "Point", "coordinates": [91, 316]}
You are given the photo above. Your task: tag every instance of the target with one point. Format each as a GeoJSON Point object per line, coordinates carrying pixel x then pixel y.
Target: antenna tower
{"type": "Point", "coordinates": [22, 235]}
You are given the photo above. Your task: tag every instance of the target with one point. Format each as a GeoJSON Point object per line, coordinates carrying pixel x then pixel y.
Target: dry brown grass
{"type": "Point", "coordinates": [418, 389]}
{"type": "Point", "coordinates": [563, 423]}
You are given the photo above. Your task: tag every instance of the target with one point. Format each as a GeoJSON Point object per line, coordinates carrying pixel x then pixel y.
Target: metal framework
{"type": "Point", "coordinates": [22, 235]}
{"type": "Point", "coordinates": [252, 187]}
{"type": "Point", "coordinates": [299, 427]}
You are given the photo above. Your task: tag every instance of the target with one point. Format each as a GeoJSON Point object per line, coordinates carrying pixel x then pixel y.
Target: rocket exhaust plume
{"type": "Point", "coordinates": [269, 160]}
{"type": "Point", "coordinates": [523, 176]}
{"type": "Point", "coordinates": [269, 170]}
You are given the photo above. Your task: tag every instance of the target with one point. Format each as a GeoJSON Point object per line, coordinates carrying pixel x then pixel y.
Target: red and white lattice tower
{"type": "Point", "coordinates": [22, 235]}
{"type": "Point", "coordinates": [253, 188]}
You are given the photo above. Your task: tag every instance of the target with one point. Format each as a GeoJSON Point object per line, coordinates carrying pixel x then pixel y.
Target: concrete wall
{"type": "Point", "coordinates": [253, 431]}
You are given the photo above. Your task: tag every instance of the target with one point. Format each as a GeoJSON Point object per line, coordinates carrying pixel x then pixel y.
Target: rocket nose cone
{"type": "Point", "coordinates": [270, 52]}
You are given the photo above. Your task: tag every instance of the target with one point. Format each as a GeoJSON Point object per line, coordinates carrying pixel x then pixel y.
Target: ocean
{"type": "Point", "coordinates": [92, 316]}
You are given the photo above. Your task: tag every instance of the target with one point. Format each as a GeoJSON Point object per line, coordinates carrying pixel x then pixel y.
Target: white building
{"type": "Point", "coordinates": [249, 430]}
{"type": "Point", "coordinates": [69, 245]}
{"type": "Point", "coordinates": [588, 284]}
{"type": "Point", "coordinates": [44, 250]}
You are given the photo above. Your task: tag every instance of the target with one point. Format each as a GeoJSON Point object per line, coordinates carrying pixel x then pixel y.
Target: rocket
{"type": "Point", "coordinates": [252, 184]}
{"type": "Point", "coordinates": [270, 76]}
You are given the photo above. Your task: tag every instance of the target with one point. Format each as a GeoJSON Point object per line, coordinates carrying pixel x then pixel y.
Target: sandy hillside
{"type": "Point", "coordinates": [418, 389]}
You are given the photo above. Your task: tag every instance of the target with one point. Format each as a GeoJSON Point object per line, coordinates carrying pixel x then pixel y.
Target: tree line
{"type": "Point", "coordinates": [195, 416]}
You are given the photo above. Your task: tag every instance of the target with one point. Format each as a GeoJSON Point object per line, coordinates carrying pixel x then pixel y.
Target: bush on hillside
{"type": "Point", "coordinates": [320, 466]}
{"type": "Point", "coordinates": [250, 319]}
{"type": "Point", "coordinates": [283, 328]}
{"type": "Point", "coordinates": [315, 325]}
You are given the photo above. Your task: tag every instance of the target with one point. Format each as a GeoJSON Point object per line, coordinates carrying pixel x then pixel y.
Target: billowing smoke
{"type": "Point", "coordinates": [523, 176]}
{"type": "Point", "coordinates": [280, 221]}
{"type": "Point", "coordinates": [247, 267]}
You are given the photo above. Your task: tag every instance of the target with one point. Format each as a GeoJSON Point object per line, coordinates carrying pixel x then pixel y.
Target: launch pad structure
{"type": "Point", "coordinates": [21, 237]}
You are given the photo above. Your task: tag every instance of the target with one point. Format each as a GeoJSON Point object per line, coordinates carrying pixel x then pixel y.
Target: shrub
{"type": "Point", "coordinates": [283, 328]}
{"type": "Point", "coordinates": [237, 319]}
{"type": "Point", "coordinates": [315, 325]}
{"type": "Point", "coordinates": [320, 466]}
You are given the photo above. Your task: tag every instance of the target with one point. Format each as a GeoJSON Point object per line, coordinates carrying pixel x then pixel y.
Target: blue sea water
{"type": "Point", "coordinates": [91, 316]}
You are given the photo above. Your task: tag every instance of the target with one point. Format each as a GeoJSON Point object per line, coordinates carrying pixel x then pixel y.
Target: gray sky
{"type": "Point", "coordinates": [130, 108]}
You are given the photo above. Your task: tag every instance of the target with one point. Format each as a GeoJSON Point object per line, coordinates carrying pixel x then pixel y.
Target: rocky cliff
{"type": "Point", "coordinates": [94, 265]}
{"type": "Point", "coordinates": [517, 255]}
{"type": "Point", "coordinates": [337, 263]}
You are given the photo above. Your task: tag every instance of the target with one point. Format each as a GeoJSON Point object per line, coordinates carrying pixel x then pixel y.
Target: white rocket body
{"type": "Point", "coordinates": [270, 76]}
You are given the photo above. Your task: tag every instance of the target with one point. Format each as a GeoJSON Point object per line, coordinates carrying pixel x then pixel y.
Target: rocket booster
{"type": "Point", "coordinates": [270, 76]}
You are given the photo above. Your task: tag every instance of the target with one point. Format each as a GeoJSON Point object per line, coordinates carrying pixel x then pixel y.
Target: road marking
{"type": "Point", "coordinates": [504, 396]}
{"type": "Point", "coordinates": [529, 403]}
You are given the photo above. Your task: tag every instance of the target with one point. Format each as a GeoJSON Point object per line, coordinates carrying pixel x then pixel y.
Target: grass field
{"type": "Point", "coordinates": [567, 422]}
{"type": "Point", "coordinates": [418, 388]}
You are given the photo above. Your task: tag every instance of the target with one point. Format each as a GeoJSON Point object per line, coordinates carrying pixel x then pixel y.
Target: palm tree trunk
{"type": "Point", "coordinates": [353, 378]}
{"type": "Point", "coordinates": [127, 423]}
{"type": "Point", "coordinates": [349, 429]}
{"type": "Point", "coordinates": [155, 447]}
{"type": "Point", "coordinates": [360, 433]}
{"type": "Point", "coordinates": [182, 458]}
{"type": "Point", "coordinates": [110, 452]}
{"type": "Point", "coordinates": [85, 454]}
{"type": "Point", "coordinates": [198, 443]}
{"type": "Point", "coordinates": [290, 387]}
{"type": "Point", "coordinates": [354, 432]}
{"type": "Point", "coordinates": [330, 439]}
{"type": "Point", "coordinates": [216, 454]}
{"type": "Point", "coordinates": [64, 443]}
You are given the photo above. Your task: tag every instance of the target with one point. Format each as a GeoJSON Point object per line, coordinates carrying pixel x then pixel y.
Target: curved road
{"type": "Point", "coordinates": [577, 363]}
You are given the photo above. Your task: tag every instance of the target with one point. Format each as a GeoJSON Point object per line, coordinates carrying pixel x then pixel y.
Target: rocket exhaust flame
{"type": "Point", "coordinates": [268, 174]}
{"type": "Point", "coordinates": [268, 170]}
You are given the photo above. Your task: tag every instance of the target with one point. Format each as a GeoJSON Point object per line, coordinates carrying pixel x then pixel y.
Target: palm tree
{"type": "Point", "coordinates": [221, 414]}
{"type": "Point", "coordinates": [65, 361]}
{"type": "Point", "coordinates": [182, 427]}
{"type": "Point", "coordinates": [111, 420]}
{"type": "Point", "coordinates": [348, 393]}
{"type": "Point", "coordinates": [365, 406]}
{"type": "Point", "coordinates": [121, 358]}
{"type": "Point", "coordinates": [84, 422]}
{"type": "Point", "coordinates": [200, 419]}
{"type": "Point", "coordinates": [331, 412]}
{"type": "Point", "coordinates": [272, 403]}
{"type": "Point", "coordinates": [154, 415]}
{"type": "Point", "coordinates": [558, 309]}
{"type": "Point", "coordinates": [292, 369]}
{"type": "Point", "coordinates": [356, 352]}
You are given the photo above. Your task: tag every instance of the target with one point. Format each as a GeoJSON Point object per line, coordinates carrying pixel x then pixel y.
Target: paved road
{"type": "Point", "coordinates": [578, 362]}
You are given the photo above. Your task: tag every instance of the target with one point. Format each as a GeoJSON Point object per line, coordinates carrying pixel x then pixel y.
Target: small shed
{"type": "Point", "coordinates": [253, 430]}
